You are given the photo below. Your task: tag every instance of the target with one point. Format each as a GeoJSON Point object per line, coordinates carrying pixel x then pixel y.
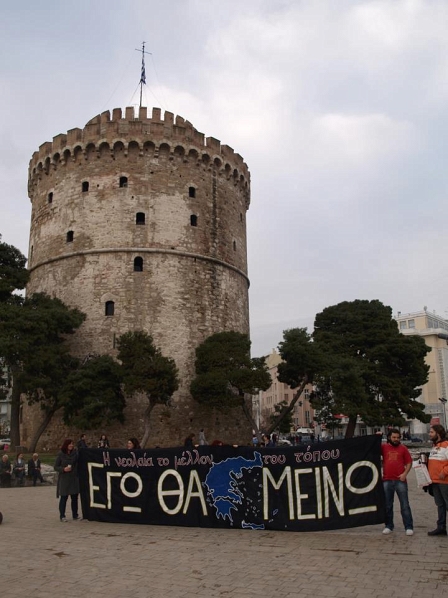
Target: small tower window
{"type": "Point", "coordinates": [191, 191]}
{"type": "Point", "coordinates": [85, 186]}
{"type": "Point", "coordinates": [123, 181]}
{"type": "Point", "coordinates": [140, 218]}
{"type": "Point", "coordinates": [50, 197]}
{"type": "Point", "coordinates": [138, 264]}
{"type": "Point", "coordinates": [70, 236]}
{"type": "Point", "coordinates": [234, 246]}
{"type": "Point", "coordinates": [193, 220]}
{"type": "Point", "coordinates": [109, 309]}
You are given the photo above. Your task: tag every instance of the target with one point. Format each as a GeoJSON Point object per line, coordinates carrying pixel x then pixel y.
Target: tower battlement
{"type": "Point", "coordinates": [107, 134]}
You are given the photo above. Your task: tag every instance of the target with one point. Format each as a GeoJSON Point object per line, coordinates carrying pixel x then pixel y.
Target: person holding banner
{"type": "Point", "coordinates": [66, 465]}
{"type": "Point", "coordinates": [438, 470]}
{"type": "Point", "coordinates": [397, 462]}
{"type": "Point", "coordinates": [133, 444]}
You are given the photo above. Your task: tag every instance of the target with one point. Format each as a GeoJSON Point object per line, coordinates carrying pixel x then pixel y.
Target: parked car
{"type": "Point", "coordinates": [5, 443]}
{"type": "Point", "coordinates": [415, 439]}
{"type": "Point", "coordinates": [283, 442]}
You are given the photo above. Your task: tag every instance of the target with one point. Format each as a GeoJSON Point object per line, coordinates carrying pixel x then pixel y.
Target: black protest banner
{"type": "Point", "coordinates": [327, 485]}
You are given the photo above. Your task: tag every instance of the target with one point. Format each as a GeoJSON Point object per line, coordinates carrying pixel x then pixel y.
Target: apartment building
{"type": "Point", "coordinates": [434, 330]}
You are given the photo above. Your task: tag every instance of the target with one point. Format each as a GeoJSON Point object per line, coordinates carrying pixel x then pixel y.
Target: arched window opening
{"type": "Point", "coordinates": [234, 246]}
{"type": "Point", "coordinates": [140, 218]}
{"type": "Point", "coordinates": [191, 191]}
{"type": "Point", "coordinates": [109, 308]}
{"type": "Point", "coordinates": [70, 236]}
{"type": "Point", "coordinates": [138, 264]}
{"type": "Point", "coordinates": [193, 220]}
{"type": "Point", "coordinates": [85, 186]}
{"type": "Point", "coordinates": [50, 197]}
{"type": "Point", "coordinates": [123, 181]}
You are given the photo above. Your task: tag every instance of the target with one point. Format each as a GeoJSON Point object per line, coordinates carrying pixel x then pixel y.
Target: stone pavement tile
{"type": "Point", "coordinates": [113, 560]}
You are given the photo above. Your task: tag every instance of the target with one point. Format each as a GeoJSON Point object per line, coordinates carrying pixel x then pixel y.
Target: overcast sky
{"type": "Point", "coordinates": [340, 109]}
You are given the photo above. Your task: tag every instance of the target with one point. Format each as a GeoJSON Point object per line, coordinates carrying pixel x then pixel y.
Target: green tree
{"type": "Point", "coordinates": [147, 371]}
{"type": "Point", "coordinates": [300, 359]}
{"type": "Point", "coordinates": [33, 343]}
{"type": "Point", "coordinates": [13, 272]}
{"type": "Point", "coordinates": [226, 374]}
{"type": "Point", "coordinates": [93, 395]}
{"type": "Point", "coordinates": [372, 371]}
{"type": "Point", "coordinates": [284, 425]}
{"type": "Point", "coordinates": [360, 365]}
{"type": "Point", "coordinates": [13, 278]}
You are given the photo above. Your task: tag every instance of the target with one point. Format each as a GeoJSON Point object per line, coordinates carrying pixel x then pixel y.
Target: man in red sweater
{"type": "Point", "coordinates": [397, 462]}
{"type": "Point", "coordinates": [438, 470]}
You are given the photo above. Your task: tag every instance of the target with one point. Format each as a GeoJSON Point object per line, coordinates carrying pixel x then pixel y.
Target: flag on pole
{"type": "Point", "coordinates": [143, 76]}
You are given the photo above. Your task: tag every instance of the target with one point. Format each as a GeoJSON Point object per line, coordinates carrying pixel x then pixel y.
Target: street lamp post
{"type": "Point", "coordinates": [443, 401]}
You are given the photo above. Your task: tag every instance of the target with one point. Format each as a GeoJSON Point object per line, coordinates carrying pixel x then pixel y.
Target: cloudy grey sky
{"type": "Point", "coordinates": [340, 109]}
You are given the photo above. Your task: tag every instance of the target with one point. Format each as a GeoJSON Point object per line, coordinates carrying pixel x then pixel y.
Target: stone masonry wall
{"type": "Point", "coordinates": [155, 190]}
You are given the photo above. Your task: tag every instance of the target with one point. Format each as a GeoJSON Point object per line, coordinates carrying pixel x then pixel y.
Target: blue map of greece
{"type": "Point", "coordinates": [223, 486]}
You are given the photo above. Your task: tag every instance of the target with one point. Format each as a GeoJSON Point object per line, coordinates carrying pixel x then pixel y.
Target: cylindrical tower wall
{"type": "Point", "coordinates": [141, 224]}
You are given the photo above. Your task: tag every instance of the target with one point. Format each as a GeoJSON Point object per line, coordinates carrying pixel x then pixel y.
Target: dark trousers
{"type": "Point", "coordinates": [441, 500]}
{"type": "Point", "coordinates": [63, 503]}
{"type": "Point", "coordinates": [36, 475]}
{"type": "Point", "coordinates": [20, 477]}
{"type": "Point", "coordinates": [5, 480]}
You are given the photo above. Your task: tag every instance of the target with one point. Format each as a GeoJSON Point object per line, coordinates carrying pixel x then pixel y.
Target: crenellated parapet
{"type": "Point", "coordinates": [119, 136]}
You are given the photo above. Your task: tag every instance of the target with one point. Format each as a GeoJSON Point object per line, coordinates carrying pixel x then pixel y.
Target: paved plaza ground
{"type": "Point", "coordinates": [42, 557]}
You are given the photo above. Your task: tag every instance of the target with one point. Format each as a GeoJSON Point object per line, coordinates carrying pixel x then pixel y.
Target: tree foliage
{"type": "Point", "coordinates": [93, 395]}
{"type": "Point", "coordinates": [33, 335]}
{"type": "Point", "coordinates": [283, 425]}
{"type": "Point", "coordinates": [13, 272]}
{"type": "Point", "coordinates": [146, 370]}
{"type": "Point", "coordinates": [359, 363]}
{"type": "Point", "coordinates": [225, 373]}
{"type": "Point", "coordinates": [299, 362]}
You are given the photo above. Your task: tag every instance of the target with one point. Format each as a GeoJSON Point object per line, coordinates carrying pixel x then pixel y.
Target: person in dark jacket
{"type": "Point", "coordinates": [189, 441]}
{"type": "Point", "coordinates": [82, 443]}
{"type": "Point", "coordinates": [66, 465]}
{"type": "Point", "coordinates": [35, 469]}
{"type": "Point", "coordinates": [5, 472]}
{"type": "Point", "coordinates": [103, 442]}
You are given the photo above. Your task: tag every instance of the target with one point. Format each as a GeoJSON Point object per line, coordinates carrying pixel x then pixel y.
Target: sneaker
{"type": "Point", "coordinates": [64, 519]}
{"type": "Point", "coordinates": [387, 530]}
{"type": "Point", "coordinates": [409, 532]}
{"type": "Point", "coordinates": [437, 532]}
{"type": "Point", "coordinates": [77, 518]}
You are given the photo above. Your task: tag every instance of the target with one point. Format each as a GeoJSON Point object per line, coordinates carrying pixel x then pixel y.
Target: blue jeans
{"type": "Point", "coordinates": [441, 500]}
{"type": "Point", "coordinates": [401, 488]}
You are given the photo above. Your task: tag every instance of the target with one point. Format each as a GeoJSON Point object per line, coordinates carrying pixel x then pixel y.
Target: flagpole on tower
{"type": "Point", "coordinates": [143, 71]}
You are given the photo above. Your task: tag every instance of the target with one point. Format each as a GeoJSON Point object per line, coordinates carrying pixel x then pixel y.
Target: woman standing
{"type": "Point", "coordinates": [68, 485]}
{"type": "Point", "coordinates": [133, 444]}
{"type": "Point", "coordinates": [103, 442]}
